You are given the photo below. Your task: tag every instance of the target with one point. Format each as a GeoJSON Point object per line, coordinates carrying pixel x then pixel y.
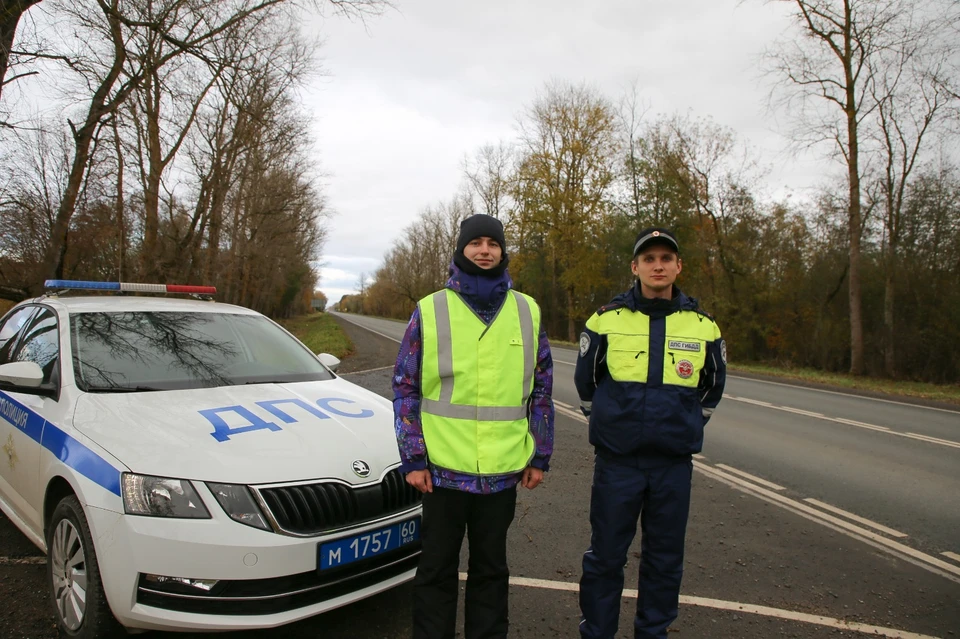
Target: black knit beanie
{"type": "Point", "coordinates": [480, 225]}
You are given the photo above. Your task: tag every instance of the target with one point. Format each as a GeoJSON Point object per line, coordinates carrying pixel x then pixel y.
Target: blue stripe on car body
{"type": "Point", "coordinates": [67, 449]}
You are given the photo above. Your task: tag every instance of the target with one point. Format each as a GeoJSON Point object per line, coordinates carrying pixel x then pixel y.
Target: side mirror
{"type": "Point", "coordinates": [27, 374]}
{"type": "Point", "coordinates": [329, 361]}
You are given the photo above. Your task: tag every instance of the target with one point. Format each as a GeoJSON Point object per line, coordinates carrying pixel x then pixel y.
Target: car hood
{"type": "Point", "coordinates": [251, 434]}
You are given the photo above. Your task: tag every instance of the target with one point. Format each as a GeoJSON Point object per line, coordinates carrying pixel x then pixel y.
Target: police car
{"type": "Point", "coordinates": [190, 465]}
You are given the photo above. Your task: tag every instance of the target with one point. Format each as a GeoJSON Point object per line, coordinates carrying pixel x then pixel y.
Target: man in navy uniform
{"type": "Point", "coordinates": [651, 370]}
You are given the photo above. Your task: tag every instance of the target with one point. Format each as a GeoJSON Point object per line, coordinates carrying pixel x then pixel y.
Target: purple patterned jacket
{"type": "Point", "coordinates": [485, 296]}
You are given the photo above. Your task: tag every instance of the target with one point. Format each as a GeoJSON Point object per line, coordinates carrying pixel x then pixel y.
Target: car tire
{"type": "Point", "coordinates": [73, 575]}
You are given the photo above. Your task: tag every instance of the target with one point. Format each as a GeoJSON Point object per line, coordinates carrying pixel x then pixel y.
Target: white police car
{"type": "Point", "coordinates": [187, 464]}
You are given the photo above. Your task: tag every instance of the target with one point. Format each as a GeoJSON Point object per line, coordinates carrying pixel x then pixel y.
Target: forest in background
{"type": "Point", "coordinates": [861, 277]}
{"type": "Point", "coordinates": [172, 146]}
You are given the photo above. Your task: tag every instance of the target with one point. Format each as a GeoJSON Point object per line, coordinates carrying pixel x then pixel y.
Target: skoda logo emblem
{"type": "Point", "coordinates": [361, 468]}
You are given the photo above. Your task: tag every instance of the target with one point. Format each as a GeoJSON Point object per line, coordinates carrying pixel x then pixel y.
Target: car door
{"type": "Point", "coordinates": [25, 414]}
{"type": "Point", "coordinates": [12, 412]}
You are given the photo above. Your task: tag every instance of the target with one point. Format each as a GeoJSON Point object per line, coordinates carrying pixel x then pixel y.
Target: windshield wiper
{"type": "Point", "coordinates": [123, 389]}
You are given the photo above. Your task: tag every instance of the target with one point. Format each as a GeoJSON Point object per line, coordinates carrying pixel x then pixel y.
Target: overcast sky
{"type": "Point", "coordinates": [411, 93]}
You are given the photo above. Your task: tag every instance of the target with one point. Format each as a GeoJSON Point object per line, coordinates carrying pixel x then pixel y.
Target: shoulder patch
{"type": "Point", "coordinates": [723, 351]}
{"type": "Point", "coordinates": [609, 307]}
{"type": "Point", "coordinates": [584, 343]}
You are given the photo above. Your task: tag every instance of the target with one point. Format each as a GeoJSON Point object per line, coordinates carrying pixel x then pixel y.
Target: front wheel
{"type": "Point", "coordinates": [74, 577]}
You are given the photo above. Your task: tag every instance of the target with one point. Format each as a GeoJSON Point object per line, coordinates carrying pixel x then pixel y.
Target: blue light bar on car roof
{"type": "Point", "coordinates": [129, 287]}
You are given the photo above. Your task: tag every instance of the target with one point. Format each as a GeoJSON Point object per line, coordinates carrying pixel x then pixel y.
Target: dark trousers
{"type": "Point", "coordinates": [621, 493]}
{"type": "Point", "coordinates": [486, 518]}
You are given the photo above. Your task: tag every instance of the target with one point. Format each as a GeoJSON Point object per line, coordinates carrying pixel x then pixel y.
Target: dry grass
{"type": "Point", "coordinates": [321, 333]}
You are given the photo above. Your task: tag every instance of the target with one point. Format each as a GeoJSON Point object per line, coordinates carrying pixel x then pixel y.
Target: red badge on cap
{"type": "Point", "coordinates": [684, 368]}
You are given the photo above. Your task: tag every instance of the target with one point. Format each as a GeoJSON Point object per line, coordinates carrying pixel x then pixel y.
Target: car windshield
{"type": "Point", "coordinates": [144, 351]}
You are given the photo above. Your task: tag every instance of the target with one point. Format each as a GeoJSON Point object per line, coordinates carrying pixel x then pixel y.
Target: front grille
{"type": "Point", "coordinates": [312, 509]}
{"type": "Point", "coordinates": [282, 594]}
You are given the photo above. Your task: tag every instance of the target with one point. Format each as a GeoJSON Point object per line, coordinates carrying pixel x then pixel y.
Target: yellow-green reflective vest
{"type": "Point", "coordinates": [475, 383]}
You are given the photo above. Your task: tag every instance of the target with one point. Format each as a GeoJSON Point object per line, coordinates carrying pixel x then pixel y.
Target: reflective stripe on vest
{"type": "Point", "coordinates": [476, 381]}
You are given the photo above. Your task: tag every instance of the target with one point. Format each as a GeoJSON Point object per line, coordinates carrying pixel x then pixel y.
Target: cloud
{"type": "Point", "coordinates": [412, 93]}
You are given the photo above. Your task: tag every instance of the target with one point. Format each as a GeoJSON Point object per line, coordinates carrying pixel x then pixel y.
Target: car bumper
{"type": "Point", "coordinates": [263, 579]}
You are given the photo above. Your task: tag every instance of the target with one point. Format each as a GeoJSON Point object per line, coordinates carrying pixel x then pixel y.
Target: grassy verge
{"type": "Point", "coordinates": [943, 393]}
{"type": "Point", "coordinates": [321, 333]}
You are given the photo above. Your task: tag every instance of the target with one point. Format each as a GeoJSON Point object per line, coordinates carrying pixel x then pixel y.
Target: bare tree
{"type": "Point", "coordinates": [845, 76]}
{"type": "Point", "coordinates": [100, 40]}
{"type": "Point", "coordinates": [828, 66]}
{"type": "Point", "coordinates": [914, 85]}
{"type": "Point", "coordinates": [10, 13]}
{"type": "Point", "coordinates": [488, 175]}
{"type": "Point", "coordinates": [631, 115]}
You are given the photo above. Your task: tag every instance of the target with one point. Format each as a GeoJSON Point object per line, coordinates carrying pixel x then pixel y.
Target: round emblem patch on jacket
{"type": "Point", "coordinates": [684, 368]}
{"type": "Point", "coordinates": [584, 343]}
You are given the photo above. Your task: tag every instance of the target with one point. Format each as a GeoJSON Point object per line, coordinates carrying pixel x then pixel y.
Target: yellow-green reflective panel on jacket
{"type": "Point", "coordinates": [628, 343]}
{"type": "Point", "coordinates": [685, 348]}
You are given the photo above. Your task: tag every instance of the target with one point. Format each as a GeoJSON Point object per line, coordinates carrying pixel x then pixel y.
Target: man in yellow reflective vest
{"type": "Point", "coordinates": [650, 372]}
{"type": "Point", "coordinates": [474, 418]}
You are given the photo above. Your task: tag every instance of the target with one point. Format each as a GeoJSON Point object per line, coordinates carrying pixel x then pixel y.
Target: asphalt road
{"type": "Point", "coordinates": [761, 561]}
{"type": "Point", "coordinates": [892, 463]}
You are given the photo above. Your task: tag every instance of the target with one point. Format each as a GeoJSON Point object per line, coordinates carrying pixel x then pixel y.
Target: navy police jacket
{"type": "Point", "coordinates": [649, 374]}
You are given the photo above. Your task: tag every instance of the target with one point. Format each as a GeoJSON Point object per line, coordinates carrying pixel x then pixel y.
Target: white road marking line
{"type": "Point", "coordinates": [915, 556]}
{"type": "Point", "coordinates": [757, 402]}
{"type": "Point", "coordinates": [951, 555]}
{"type": "Point", "coordinates": [557, 402]}
{"type": "Point", "coordinates": [753, 478]}
{"type": "Point", "coordinates": [928, 562]}
{"type": "Point", "coordinates": [22, 561]}
{"type": "Point", "coordinates": [799, 411]}
{"type": "Point", "coordinates": [368, 370]}
{"type": "Point", "coordinates": [575, 414]}
{"type": "Point", "coordinates": [802, 617]}
{"type": "Point", "coordinates": [733, 606]}
{"type": "Point", "coordinates": [816, 390]}
{"type": "Point", "coordinates": [851, 422]}
{"type": "Point", "coordinates": [856, 518]}
{"type": "Point", "coordinates": [906, 553]}
{"type": "Point", "coordinates": [746, 400]}
{"type": "Point", "coordinates": [932, 440]}
{"type": "Point", "coordinates": [830, 392]}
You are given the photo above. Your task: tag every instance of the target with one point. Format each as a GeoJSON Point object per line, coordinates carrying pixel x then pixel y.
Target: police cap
{"type": "Point", "coordinates": [655, 235]}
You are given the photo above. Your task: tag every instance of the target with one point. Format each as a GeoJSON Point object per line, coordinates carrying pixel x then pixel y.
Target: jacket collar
{"type": "Point", "coordinates": [655, 308]}
{"type": "Point", "coordinates": [480, 291]}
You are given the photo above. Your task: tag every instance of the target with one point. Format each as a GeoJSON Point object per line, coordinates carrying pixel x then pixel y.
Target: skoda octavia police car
{"type": "Point", "coordinates": [190, 465]}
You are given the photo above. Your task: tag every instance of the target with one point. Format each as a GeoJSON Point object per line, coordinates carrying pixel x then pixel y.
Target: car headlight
{"type": "Point", "coordinates": [238, 503]}
{"type": "Point", "coordinates": [161, 497]}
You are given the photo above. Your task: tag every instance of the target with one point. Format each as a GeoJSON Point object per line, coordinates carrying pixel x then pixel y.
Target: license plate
{"type": "Point", "coordinates": [368, 544]}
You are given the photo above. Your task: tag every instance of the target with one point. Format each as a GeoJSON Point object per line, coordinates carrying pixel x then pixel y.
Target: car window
{"type": "Point", "coordinates": [41, 344]}
{"type": "Point", "coordinates": [173, 350]}
{"type": "Point", "coordinates": [11, 328]}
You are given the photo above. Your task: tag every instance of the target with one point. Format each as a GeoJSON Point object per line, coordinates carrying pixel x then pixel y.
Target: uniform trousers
{"type": "Point", "coordinates": [447, 514]}
{"type": "Point", "coordinates": [623, 491]}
